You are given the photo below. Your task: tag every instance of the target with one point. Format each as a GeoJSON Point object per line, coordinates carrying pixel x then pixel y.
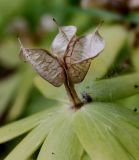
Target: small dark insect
{"type": "Point", "coordinates": [135, 109]}
{"type": "Point", "coordinates": [53, 153]}
{"type": "Point", "coordinates": [136, 86]}
{"type": "Point", "coordinates": [86, 97]}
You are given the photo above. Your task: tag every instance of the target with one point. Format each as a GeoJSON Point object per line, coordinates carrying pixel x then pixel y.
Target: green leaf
{"type": "Point", "coordinates": [30, 143]}
{"type": "Point", "coordinates": [35, 138]}
{"type": "Point", "coordinates": [135, 58]}
{"type": "Point", "coordinates": [9, 53]}
{"type": "Point", "coordinates": [22, 95]}
{"type": "Point", "coordinates": [85, 157]}
{"type": "Point", "coordinates": [49, 91]}
{"type": "Point", "coordinates": [130, 102]}
{"type": "Point", "coordinates": [96, 131]}
{"type": "Point", "coordinates": [7, 90]}
{"type": "Point", "coordinates": [133, 101]}
{"type": "Point", "coordinates": [36, 99]}
{"type": "Point", "coordinates": [20, 127]}
{"type": "Point", "coordinates": [132, 17]}
{"type": "Point", "coordinates": [113, 89]}
{"type": "Point", "coordinates": [10, 11]}
{"type": "Point", "coordinates": [62, 143]}
{"type": "Point", "coordinates": [95, 12]}
{"type": "Point", "coordinates": [10, 8]}
{"type": "Point", "coordinates": [102, 90]}
{"type": "Point", "coordinates": [107, 131]}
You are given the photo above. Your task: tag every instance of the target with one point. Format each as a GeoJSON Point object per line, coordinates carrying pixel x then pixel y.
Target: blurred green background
{"type": "Point", "coordinates": [31, 20]}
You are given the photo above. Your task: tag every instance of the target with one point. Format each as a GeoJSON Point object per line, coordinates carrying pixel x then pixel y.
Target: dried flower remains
{"type": "Point", "coordinates": [69, 60]}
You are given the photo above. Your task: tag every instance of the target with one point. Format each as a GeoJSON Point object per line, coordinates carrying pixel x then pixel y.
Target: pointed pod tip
{"type": "Point", "coordinates": [21, 55]}
{"type": "Point", "coordinates": [100, 24]}
{"type": "Point", "coordinates": [21, 45]}
{"type": "Point", "coordinates": [54, 20]}
{"type": "Point", "coordinates": [19, 41]}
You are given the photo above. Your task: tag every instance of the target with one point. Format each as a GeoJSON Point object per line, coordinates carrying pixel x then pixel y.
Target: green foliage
{"type": "Point", "coordinates": [103, 130]}
{"type": "Point", "coordinates": [108, 132]}
{"type": "Point", "coordinates": [7, 88]}
{"type": "Point", "coordinates": [107, 128]}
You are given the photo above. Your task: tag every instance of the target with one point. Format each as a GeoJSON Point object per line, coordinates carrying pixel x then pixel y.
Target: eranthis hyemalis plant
{"type": "Point", "coordinates": [102, 130]}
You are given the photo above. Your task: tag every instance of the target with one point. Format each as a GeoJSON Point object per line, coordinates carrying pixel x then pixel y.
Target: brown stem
{"type": "Point", "coordinates": [74, 99]}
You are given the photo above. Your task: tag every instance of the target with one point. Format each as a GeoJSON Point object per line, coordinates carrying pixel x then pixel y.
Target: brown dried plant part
{"type": "Point", "coordinates": [70, 59]}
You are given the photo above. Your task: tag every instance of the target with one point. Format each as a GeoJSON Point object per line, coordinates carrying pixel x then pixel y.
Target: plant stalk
{"type": "Point", "coordinates": [73, 97]}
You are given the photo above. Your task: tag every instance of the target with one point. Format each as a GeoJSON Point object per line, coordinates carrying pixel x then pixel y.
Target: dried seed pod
{"type": "Point", "coordinates": [70, 59]}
